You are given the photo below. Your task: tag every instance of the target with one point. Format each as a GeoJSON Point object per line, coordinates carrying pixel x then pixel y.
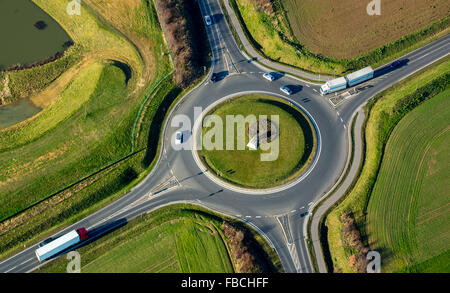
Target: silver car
{"type": "Point", "coordinates": [269, 76]}
{"type": "Point", "coordinates": [179, 137]}
{"type": "Point", "coordinates": [286, 90]}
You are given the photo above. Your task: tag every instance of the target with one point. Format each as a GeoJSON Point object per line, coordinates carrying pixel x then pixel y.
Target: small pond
{"type": "Point", "coordinates": [28, 34]}
{"type": "Point", "coordinates": [19, 111]}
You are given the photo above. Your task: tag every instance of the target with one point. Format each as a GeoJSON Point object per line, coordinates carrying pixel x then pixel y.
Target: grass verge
{"type": "Point", "coordinates": [323, 228]}
{"type": "Point", "coordinates": [248, 168]}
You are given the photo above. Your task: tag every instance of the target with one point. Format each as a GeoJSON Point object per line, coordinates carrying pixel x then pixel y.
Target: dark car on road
{"type": "Point", "coordinates": [396, 64]}
{"type": "Point", "coordinates": [214, 77]}
{"type": "Point", "coordinates": [46, 241]}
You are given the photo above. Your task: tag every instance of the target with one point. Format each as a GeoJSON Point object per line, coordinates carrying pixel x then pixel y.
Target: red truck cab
{"type": "Point", "coordinates": [83, 233]}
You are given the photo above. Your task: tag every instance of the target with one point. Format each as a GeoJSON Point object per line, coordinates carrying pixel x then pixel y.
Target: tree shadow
{"type": "Point", "coordinates": [155, 127]}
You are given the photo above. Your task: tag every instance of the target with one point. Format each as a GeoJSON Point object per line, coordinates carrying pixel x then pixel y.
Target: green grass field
{"type": "Point", "coordinates": [77, 136]}
{"type": "Point", "coordinates": [94, 111]}
{"type": "Point", "coordinates": [245, 167]}
{"type": "Point", "coordinates": [86, 122]}
{"type": "Point", "coordinates": [357, 198]}
{"type": "Point", "coordinates": [185, 246]}
{"type": "Point", "coordinates": [409, 209]}
{"type": "Point", "coordinates": [174, 239]}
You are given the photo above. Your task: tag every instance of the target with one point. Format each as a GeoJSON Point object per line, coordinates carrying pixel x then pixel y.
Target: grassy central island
{"type": "Point", "coordinates": [293, 137]}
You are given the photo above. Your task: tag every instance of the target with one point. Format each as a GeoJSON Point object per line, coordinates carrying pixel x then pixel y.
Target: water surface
{"type": "Point", "coordinates": [14, 113]}
{"type": "Point", "coordinates": [28, 34]}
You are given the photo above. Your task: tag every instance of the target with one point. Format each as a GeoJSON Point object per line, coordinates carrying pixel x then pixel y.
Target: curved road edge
{"type": "Point", "coordinates": [293, 72]}
{"type": "Point", "coordinates": [340, 188]}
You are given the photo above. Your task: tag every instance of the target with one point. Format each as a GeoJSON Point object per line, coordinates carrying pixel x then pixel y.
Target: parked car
{"type": "Point", "coordinates": [269, 76]}
{"type": "Point", "coordinates": [208, 20]}
{"type": "Point", "coordinates": [179, 137]}
{"type": "Point", "coordinates": [286, 90]}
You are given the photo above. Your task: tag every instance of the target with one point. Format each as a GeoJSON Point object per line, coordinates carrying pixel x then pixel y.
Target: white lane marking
{"type": "Point", "coordinates": [307, 85]}
{"type": "Point", "coordinates": [238, 216]}
{"type": "Point", "coordinates": [315, 90]}
{"type": "Point", "coordinates": [302, 207]}
{"type": "Point", "coordinates": [292, 251]}
{"type": "Point", "coordinates": [293, 211]}
{"type": "Point", "coordinates": [310, 203]}
{"type": "Point", "coordinates": [422, 56]}
{"type": "Point", "coordinates": [342, 120]}
{"type": "Point", "coordinates": [338, 114]}
{"type": "Point", "coordinates": [302, 252]}
{"type": "Point", "coordinates": [26, 261]}
{"type": "Point", "coordinates": [10, 270]}
{"type": "Point", "coordinates": [248, 216]}
{"type": "Point", "coordinates": [345, 127]}
{"type": "Point", "coordinates": [258, 217]}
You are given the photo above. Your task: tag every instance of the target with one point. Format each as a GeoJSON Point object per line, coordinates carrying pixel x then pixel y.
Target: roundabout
{"type": "Point", "coordinates": [255, 142]}
{"type": "Point", "coordinates": [280, 211]}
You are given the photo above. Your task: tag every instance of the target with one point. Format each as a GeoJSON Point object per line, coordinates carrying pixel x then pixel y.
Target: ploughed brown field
{"type": "Point", "coordinates": [343, 29]}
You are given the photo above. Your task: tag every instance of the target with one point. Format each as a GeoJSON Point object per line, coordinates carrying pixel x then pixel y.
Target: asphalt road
{"type": "Point", "coordinates": [280, 215]}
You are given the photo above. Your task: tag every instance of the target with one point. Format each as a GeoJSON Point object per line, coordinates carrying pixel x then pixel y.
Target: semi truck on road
{"type": "Point", "coordinates": [60, 244]}
{"type": "Point", "coordinates": [350, 80]}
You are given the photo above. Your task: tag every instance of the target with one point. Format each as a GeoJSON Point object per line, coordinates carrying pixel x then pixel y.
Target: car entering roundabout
{"type": "Point", "coordinates": [286, 90]}
{"type": "Point", "coordinates": [269, 76]}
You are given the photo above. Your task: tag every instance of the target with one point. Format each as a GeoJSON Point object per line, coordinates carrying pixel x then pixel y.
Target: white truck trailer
{"type": "Point", "coordinates": [333, 85]}
{"type": "Point", "coordinates": [350, 80]}
{"type": "Point", "coordinates": [359, 76]}
{"type": "Point", "coordinates": [60, 244]}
